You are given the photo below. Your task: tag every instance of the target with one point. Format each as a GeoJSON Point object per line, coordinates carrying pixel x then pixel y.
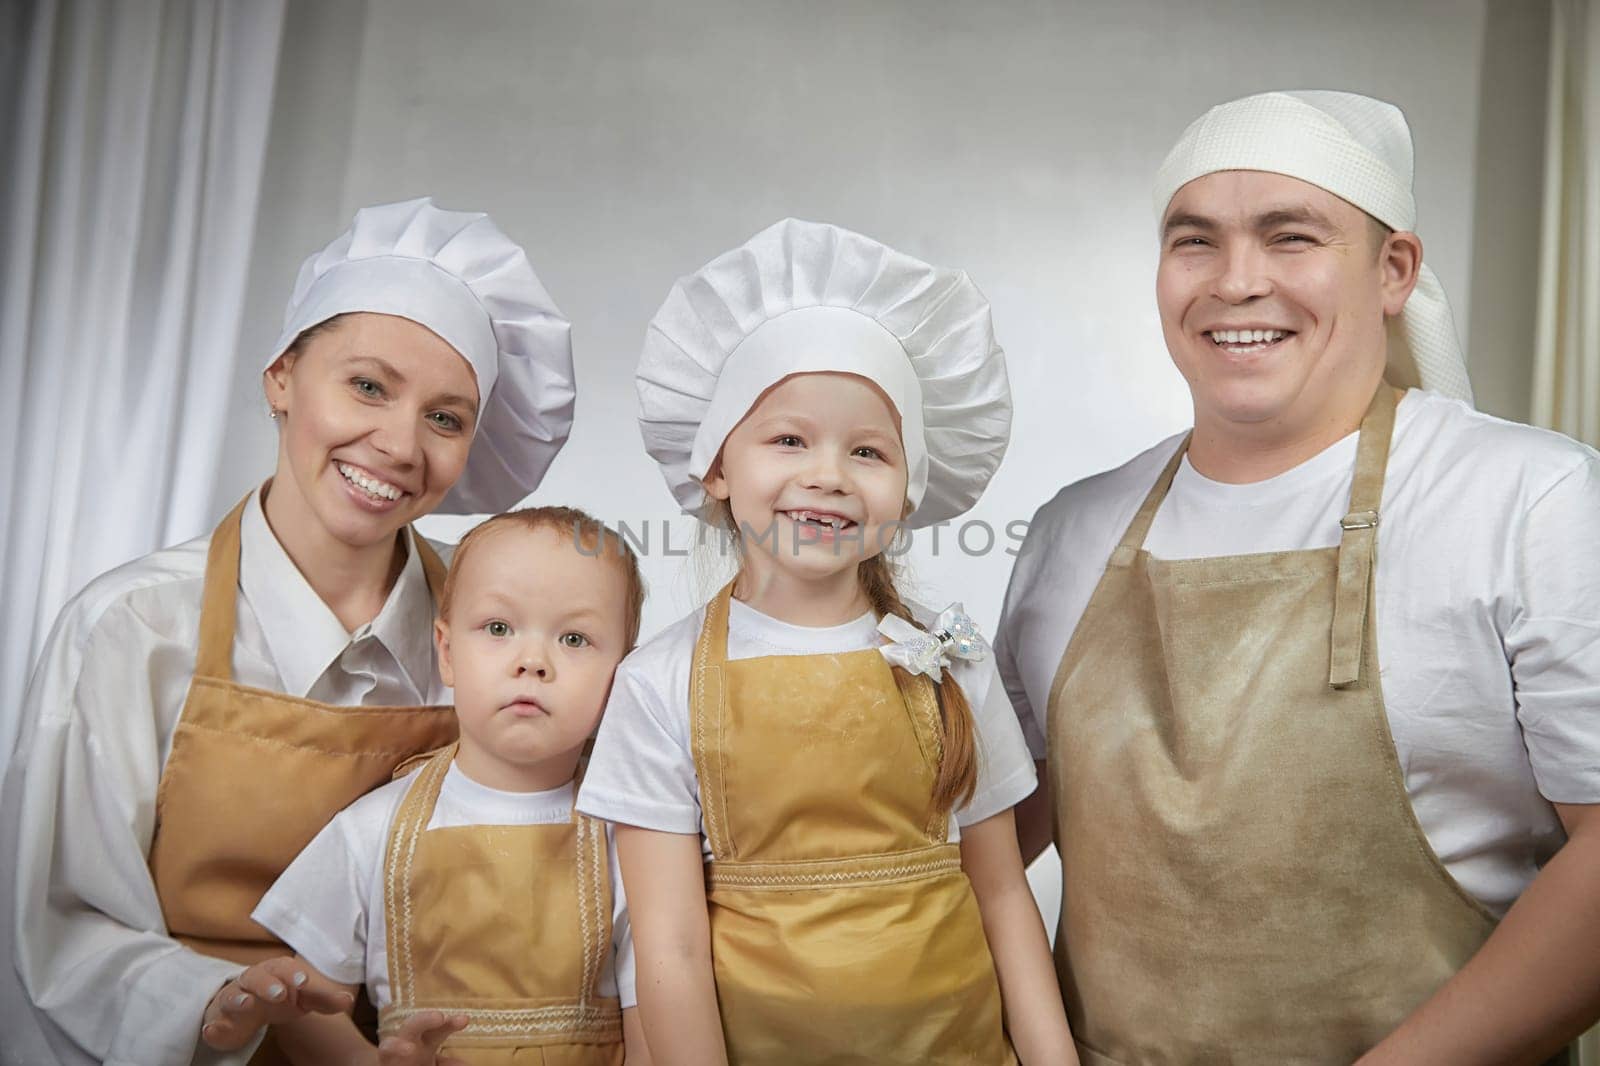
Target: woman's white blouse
{"type": "Point", "coordinates": [95, 976]}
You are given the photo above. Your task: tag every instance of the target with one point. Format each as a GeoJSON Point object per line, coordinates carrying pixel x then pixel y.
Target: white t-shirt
{"type": "Point", "coordinates": [328, 905]}
{"type": "Point", "coordinates": [642, 771]}
{"type": "Point", "coordinates": [83, 927]}
{"type": "Point", "coordinates": [1487, 611]}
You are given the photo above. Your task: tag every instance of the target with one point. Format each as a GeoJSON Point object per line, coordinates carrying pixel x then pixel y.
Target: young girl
{"type": "Point", "coordinates": [808, 392]}
{"type": "Point", "coordinates": [481, 913]}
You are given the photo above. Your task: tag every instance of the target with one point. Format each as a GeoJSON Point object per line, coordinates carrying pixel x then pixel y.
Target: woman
{"type": "Point", "coordinates": [197, 715]}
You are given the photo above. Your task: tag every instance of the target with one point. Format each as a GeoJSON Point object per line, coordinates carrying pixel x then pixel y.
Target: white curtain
{"type": "Point", "coordinates": [134, 134]}
{"type": "Point", "coordinates": [1566, 384]}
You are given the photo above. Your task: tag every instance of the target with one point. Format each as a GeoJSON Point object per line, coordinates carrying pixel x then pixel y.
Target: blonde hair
{"type": "Point", "coordinates": [957, 776]}
{"type": "Point", "coordinates": [589, 535]}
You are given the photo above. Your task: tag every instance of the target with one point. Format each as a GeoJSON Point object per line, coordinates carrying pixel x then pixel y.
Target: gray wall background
{"type": "Point", "coordinates": [627, 143]}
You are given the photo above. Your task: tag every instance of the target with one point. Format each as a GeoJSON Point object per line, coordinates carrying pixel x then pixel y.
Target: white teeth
{"type": "Point", "coordinates": [370, 485]}
{"type": "Point", "coordinates": [818, 519]}
{"type": "Point", "coordinates": [1247, 336]}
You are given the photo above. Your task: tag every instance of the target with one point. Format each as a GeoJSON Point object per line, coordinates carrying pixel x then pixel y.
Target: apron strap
{"type": "Point", "coordinates": [1139, 528]}
{"type": "Point", "coordinates": [416, 810]}
{"type": "Point", "coordinates": [1358, 541]}
{"type": "Point", "coordinates": [594, 903]}
{"type": "Point", "coordinates": [705, 721]}
{"type": "Point", "coordinates": [219, 599]}
{"type": "Point", "coordinates": [432, 566]}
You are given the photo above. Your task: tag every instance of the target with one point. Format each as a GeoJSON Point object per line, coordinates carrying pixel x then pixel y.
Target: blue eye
{"type": "Point", "coordinates": [575, 640]}
{"type": "Point", "coordinates": [497, 629]}
{"type": "Point", "coordinates": [367, 387]}
{"type": "Point", "coordinates": [445, 420]}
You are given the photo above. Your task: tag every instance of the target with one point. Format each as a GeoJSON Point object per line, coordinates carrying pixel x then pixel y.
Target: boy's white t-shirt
{"type": "Point", "coordinates": [642, 770]}
{"type": "Point", "coordinates": [328, 905]}
{"type": "Point", "coordinates": [1487, 611]}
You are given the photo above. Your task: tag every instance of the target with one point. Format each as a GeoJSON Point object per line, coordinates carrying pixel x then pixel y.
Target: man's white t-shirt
{"type": "Point", "coordinates": [328, 905]}
{"type": "Point", "coordinates": [1487, 611]}
{"type": "Point", "coordinates": [642, 771]}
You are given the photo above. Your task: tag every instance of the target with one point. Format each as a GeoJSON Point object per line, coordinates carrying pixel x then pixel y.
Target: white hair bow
{"type": "Point", "coordinates": [954, 633]}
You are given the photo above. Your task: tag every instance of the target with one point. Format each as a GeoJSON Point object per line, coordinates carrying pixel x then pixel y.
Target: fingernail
{"type": "Point", "coordinates": [274, 992]}
{"type": "Point", "coordinates": [299, 979]}
{"type": "Point", "coordinates": [241, 999]}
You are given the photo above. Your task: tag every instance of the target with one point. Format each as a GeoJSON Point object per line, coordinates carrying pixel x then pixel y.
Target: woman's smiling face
{"type": "Point", "coordinates": [377, 417]}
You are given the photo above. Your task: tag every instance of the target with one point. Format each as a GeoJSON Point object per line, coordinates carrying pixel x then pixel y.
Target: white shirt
{"type": "Point", "coordinates": [642, 770]}
{"type": "Point", "coordinates": [1487, 611]}
{"type": "Point", "coordinates": [79, 915]}
{"type": "Point", "coordinates": [329, 904]}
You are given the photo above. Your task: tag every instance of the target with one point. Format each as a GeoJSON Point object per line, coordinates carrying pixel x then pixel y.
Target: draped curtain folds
{"type": "Point", "coordinates": [135, 132]}
{"type": "Point", "coordinates": [1566, 365]}
{"type": "Point", "coordinates": [1566, 383]}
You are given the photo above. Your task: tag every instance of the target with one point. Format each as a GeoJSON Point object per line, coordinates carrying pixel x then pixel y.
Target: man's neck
{"type": "Point", "coordinates": [1244, 453]}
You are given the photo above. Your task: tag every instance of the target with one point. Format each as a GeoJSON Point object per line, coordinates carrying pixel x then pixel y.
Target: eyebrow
{"type": "Point", "coordinates": [1187, 220]}
{"type": "Point", "coordinates": [1293, 215]}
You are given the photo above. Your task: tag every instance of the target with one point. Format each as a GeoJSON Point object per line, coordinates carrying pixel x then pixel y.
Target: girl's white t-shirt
{"type": "Point", "coordinates": [328, 905]}
{"type": "Point", "coordinates": [1487, 611]}
{"type": "Point", "coordinates": [642, 771]}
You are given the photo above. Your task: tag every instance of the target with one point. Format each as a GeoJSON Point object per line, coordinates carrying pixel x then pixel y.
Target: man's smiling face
{"type": "Point", "coordinates": [1272, 295]}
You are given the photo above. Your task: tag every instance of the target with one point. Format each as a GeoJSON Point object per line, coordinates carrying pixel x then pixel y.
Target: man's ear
{"type": "Point", "coordinates": [441, 643]}
{"type": "Point", "coordinates": [1400, 260]}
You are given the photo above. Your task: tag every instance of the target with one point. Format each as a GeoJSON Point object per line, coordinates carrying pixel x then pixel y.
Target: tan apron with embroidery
{"type": "Point", "coordinates": [1244, 879]}
{"type": "Point", "coordinates": [255, 774]}
{"type": "Point", "coordinates": [843, 929]}
{"type": "Point", "coordinates": [507, 924]}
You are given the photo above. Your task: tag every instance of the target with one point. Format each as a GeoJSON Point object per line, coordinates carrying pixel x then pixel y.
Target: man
{"type": "Point", "coordinates": [1317, 687]}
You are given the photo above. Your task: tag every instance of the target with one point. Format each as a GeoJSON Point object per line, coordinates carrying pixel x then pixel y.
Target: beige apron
{"type": "Point", "coordinates": [1244, 879]}
{"type": "Point", "coordinates": [507, 924]}
{"type": "Point", "coordinates": [843, 929]}
{"type": "Point", "coordinates": [255, 774]}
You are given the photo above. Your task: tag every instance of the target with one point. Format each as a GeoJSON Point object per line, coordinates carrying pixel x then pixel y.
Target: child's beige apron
{"type": "Point", "coordinates": [1245, 881]}
{"type": "Point", "coordinates": [843, 929]}
{"type": "Point", "coordinates": [254, 774]}
{"type": "Point", "coordinates": [507, 924]}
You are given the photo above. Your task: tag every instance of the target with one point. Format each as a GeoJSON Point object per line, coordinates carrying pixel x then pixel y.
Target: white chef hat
{"type": "Point", "coordinates": [456, 273]}
{"type": "Point", "coordinates": [805, 297]}
{"type": "Point", "coordinates": [1360, 150]}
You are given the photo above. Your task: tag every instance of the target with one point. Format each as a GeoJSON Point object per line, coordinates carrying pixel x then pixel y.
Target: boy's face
{"type": "Point", "coordinates": [535, 632]}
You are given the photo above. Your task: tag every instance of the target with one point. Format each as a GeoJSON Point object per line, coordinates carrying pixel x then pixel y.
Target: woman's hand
{"type": "Point", "coordinates": [419, 1039]}
{"type": "Point", "coordinates": [268, 993]}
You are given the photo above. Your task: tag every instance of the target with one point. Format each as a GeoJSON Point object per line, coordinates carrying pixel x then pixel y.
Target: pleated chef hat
{"type": "Point", "coordinates": [802, 297]}
{"type": "Point", "coordinates": [456, 273]}
{"type": "Point", "coordinates": [1360, 150]}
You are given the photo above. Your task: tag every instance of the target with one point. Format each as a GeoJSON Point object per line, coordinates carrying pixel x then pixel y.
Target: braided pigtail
{"type": "Point", "coordinates": [958, 766]}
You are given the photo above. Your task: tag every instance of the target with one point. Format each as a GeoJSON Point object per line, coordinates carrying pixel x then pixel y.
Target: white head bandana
{"type": "Point", "coordinates": [807, 297]}
{"type": "Point", "coordinates": [456, 273]}
{"type": "Point", "coordinates": [1360, 150]}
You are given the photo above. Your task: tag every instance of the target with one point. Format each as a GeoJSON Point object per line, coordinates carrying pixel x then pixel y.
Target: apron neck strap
{"type": "Point", "coordinates": [1358, 541]}
{"type": "Point", "coordinates": [712, 648]}
{"type": "Point", "coordinates": [1139, 528]}
{"type": "Point", "coordinates": [432, 566]}
{"type": "Point", "coordinates": [219, 598]}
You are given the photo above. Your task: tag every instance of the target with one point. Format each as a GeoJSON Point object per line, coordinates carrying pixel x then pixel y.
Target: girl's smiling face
{"type": "Point", "coordinates": [815, 477]}
{"type": "Point", "coordinates": [377, 420]}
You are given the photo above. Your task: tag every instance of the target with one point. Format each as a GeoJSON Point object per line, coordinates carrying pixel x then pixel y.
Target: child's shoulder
{"type": "Point", "coordinates": [369, 816]}
{"type": "Point", "coordinates": [666, 651]}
